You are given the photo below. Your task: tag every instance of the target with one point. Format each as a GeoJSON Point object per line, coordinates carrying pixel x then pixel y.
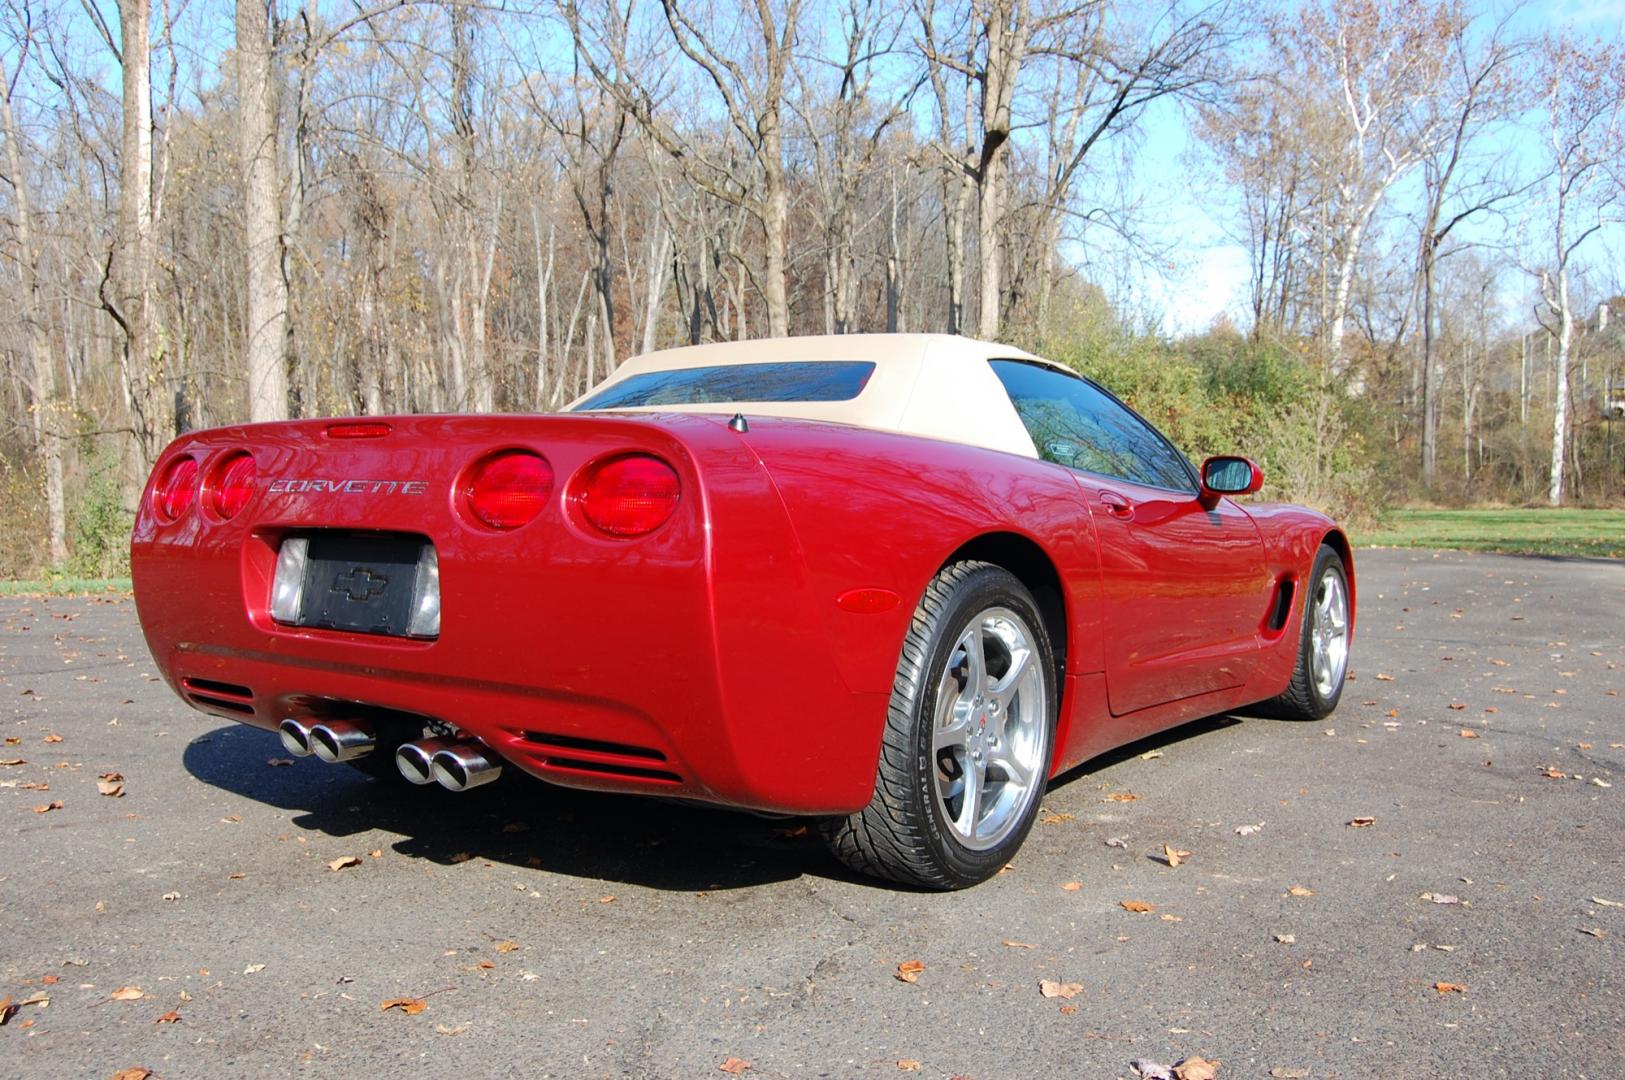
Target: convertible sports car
{"type": "Point", "coordinates": [897, 582]}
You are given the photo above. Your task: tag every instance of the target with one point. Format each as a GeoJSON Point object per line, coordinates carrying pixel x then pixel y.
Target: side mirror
{"type": "Point", "coordinates": [1229, 476]}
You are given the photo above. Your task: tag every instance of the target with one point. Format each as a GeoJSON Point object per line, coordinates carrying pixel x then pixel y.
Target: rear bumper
{"type": "Point", "coordinates": [664, 666]}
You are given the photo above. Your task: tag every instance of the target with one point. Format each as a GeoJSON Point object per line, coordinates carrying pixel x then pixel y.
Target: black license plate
{"type": "Point", "coordinates": [361, 583]}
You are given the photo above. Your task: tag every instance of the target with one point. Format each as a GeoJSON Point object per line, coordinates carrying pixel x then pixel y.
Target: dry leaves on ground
{"type": "Point", "coordinates": [46, 808]}
{"type": "Point", "coordinates": [1468, 733]}
{"type": "Point", "coordinates": [1196, 1068]}
{"type": "Point", "coordinates": [1052, 989]}
{"type": "Point", "coordinates": [909, 971]}
{"type": "Point", "coordinates": [1441, 898]}
{"type": "Point", "coordinates": [1072, 886]}
{"type": "Point", "coordinates": [110, 784]}
{"type": "Point", "coordinates": [1299, 890]}
{"type": "Point", "coordinates": [170, 1017]}
{"type": "Point", "coordinates": [1017, 944]}
{"type": "Point", "coordinates": [136, 1073]}
{"type": "Point", "coordinates": [128, 993]}
{"type": "Point", "coordinates": [411, 1006]}
{"type": "Point", "coordinates": [344, 860]}
{"type": "Point", "coordinates": [1122, 796]}
{"type": "Point", "coordinates": [734, 1065]}
{"type": "Point", "coordinates": [53, 738]}
{"type": "Point", "coordinates": [507, 946]}
{"type": "Point", "coordinates": [1173, 856]}
{"type": "Point", "coordinates": [1362, 822]}
{"type": "Point", "coordinates": [908, 1064]}
{"type": "Point", "coordinates": [1139, 907]}
{"type": "Point", "coordinates": [1449, 988]}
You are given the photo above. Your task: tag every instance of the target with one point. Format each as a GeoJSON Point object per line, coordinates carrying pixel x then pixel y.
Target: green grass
{"type": "Point", "coordinates": [64, 586]}
{"type": "Point", "coordinates": [1599, 533]}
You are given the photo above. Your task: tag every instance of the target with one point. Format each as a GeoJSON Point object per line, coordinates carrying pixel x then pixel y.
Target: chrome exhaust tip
{"type": "Point", "coordinates": [464, 765]}
{"type": "Point", "coordinates": [415, 759]}
{"type": "Point", "coordinates": [341, 740]}
{"type": "Point", "coordinates": [295, 737]}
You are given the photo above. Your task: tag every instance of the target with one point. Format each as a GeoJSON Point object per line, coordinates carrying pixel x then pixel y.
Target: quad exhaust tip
{"type": "Point", "coordinates": [415, 759]}
{"type": "Point", "coordinates": [341, 740]}
{"type": "Point", "coordinates": [295, 737]}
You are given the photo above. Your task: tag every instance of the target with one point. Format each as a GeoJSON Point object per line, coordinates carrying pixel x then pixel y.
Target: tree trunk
{"type": "Point", "coordinates": [47, 412]}
{"type": "Point", "coordinates": [1560, 409]}
{"type": "Point", "coordinates": [262, 215]}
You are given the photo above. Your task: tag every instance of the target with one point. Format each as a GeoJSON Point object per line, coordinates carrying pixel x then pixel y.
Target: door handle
{"type": "Point", "coordinates": [1116, 505]}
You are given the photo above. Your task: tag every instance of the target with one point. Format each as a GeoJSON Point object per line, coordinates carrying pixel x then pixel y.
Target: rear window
{"type": "Point", "coordinates": [816, 380]}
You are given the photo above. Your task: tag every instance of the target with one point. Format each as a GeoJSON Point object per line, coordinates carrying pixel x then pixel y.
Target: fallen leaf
{"type": "Point", "coordinates": [1196, 1068]}
{"type": "Point", "coordinates": [136, 1073]}
{"type": "Point", "coordinates": [1052, 989]}
{"type": "Point", "coordinates": [1150, 1070]}
{"type": "Point", "coordinates": [253, 969]}
{"type": "Point", "coordinates": [1117, 841]}
{"type": "Point", "coordinates": [507, 946]}
{"type": "Point", "coordinates": [908, 1064]}
{"type": "Point", "coordinates": [1450, 988]}
{"type": "Point", "coordinates": [1122, 796]}
{"type": "Point", "coordinates": [1595, 931]}
{"type": "Point", "coordinates": [1248, 830]}
{"type": "Point", "coordinates": [1286, 939]}
{"type": "Point", "coordinates": [1458, 705]}
{"type": "Point", "coordinates": [377, 853]}
{"type": "Point", "coordinates": [1056, 819]}
{"type": "Point", "coordinates": [734, 1065]}
{"type": "Point", "coordinates": [1165, 917]}
{"type": "Point", "coordinates": [344, 860]}
{"type": "Point", "coordinates": [127, 993]}
{"type": "Point", "coordinates": [1551, 773]}
{"type": "Point", "coordinates": [53, 738]}
{"type": "Point", "coordinates": [1151, 755]}
{"type": "Point", "coordinates": [8, 1009]}
{"type": "Point", "coordinates": [1299, 890]}
{"type": "Point", "coordinates": [1468, 733]}
{"type": "Point", "coordinates": [13, 761]}
{"type": "Point", "coordinates": [1072, 886]}
{"type": "Point", "coordinates": [1289, 1074]}
{"type": "Point", "coordinates": [46, 808]}
{"type": "Point", "coordinates": [1173, 856]}
{"type": "Point", "coordinates": [1017, 944]}
{"type": "Point", "coordinates": [1136, 906]}
{"type": "Point", "coordinates": [1606, 903]}
{"type": "Point", "coordinates": [1441, 898]}
{"type": "Point", "coordinates": [411, 1006]}
{"type": "Point", "coordinates": [608, 898]}
{"type": "Point", "coordinates": [170, 1017]}
{"type": "Point", "coordinates": [1381, 677]}
{"type": "Point", "coordinates": [1362, 822]}
{"type": "Point", "coordinates": [909, 971]}
{"type": "Point", "coordinates": [1600, 782]}
{"type": "Point", "coordinates": [279, 762]}
{"type": "Point", "coordinates": [442, 1029]}
{"type": "Point", "coordinates": [111, 784]}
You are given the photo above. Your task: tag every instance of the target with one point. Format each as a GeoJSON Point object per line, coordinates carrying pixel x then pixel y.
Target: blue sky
{"type": "Point", "coordinates": [1193, 211]}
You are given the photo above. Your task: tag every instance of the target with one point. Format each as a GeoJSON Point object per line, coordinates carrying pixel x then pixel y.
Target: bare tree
{"type": "Point", "coordinates": [267, 290]}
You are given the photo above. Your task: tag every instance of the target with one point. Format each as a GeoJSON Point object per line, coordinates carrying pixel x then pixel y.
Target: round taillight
{"type": "Point", "coordinates": [629, 496]}
{"type": "Point", "coordinates": [232, 484]}
{"type": "Point", "coordinates": [507, 490]}
{"type": "Point", "coordinates": [172, 495]}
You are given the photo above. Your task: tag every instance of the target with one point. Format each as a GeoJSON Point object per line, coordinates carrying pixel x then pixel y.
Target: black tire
{"type": "Point", "coordinates": [1303, 699]}
{"type": "Point", "coordinates": [905, 834]}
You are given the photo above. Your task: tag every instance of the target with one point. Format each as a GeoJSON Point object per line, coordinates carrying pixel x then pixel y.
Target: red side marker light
{"type": "Point", "coordinates": [867, 601]}
{"type": "Point", "coordinates": [232, 484]}
{"type": "Point", "coordinates": [173, 493]}
{"type": "Point", "coordinates": [508, 489]}
{"type": "Point", "coordinates": [629, 496]}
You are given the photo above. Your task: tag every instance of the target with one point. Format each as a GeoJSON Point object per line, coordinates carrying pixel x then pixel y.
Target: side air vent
{"type": "Point", "coordinates": [1282, 606]}
{"type": "Point", "coordinates": [603, 768]}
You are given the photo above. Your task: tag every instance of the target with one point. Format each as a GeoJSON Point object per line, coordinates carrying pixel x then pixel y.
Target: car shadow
{"type": "Point", "coordinates": [622, 839]}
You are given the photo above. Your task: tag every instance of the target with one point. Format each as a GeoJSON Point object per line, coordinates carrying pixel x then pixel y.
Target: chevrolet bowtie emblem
{"type": "Point", "coordinates": [360, 585]}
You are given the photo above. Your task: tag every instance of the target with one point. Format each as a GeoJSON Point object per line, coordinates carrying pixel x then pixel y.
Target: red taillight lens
{"type": "Point", "coordinates": [358, 429]}
{"type": "Point", "coordinates": [172, 495]}
{"type": "Point", "coordinates": [233, 483]}
{"type": "Point", "coordinates": [629, 496]}
{"type": "Point", "coordinates": [507, 490]}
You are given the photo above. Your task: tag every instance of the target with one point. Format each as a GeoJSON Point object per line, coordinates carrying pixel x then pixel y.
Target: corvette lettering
{"type": "Point", "coordinates": [349, 487]}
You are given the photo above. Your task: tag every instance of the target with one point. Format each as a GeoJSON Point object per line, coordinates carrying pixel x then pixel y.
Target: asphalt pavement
{"type": "Point", "coordinates": [1430, 883]}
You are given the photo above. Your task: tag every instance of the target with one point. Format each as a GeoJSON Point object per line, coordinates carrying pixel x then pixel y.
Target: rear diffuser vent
{"type": "Point", "coordinates": [220, 695]}
{"type": "Point", "coordinates": [595, 746]}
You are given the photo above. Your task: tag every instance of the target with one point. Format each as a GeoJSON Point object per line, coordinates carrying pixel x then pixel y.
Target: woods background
{"type": "Point", "coordinates": [212, 213]}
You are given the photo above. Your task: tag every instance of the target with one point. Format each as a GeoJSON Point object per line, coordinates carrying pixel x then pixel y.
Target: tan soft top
{"type": "Point", "coordinates": [935, 385]}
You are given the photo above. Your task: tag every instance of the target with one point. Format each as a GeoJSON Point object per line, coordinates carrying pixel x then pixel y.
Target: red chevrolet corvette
{"type": "Point", "coordinates": [894, 581]}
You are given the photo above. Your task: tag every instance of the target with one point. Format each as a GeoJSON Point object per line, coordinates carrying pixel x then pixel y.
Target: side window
{"type": "Point", "coordinates": [1076, 424]}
